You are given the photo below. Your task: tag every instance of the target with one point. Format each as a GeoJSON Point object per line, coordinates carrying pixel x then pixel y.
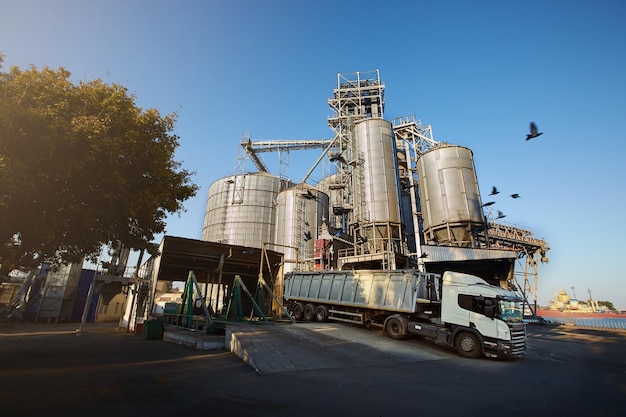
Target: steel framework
{"type": "Point", "coordinates": [358, 96]}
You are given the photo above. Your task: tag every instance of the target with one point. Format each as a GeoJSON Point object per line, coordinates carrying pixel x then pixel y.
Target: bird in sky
{"type": "Point", "coordinates": [336, 157]}
{"type": "Point", "coordinates": [488, 203]}
{"type": "Point", "coordinates": [494, 191]}
{"type": "Point", "coordinates": [500, 215]}
{"type": "Point", "coordinates": [515, 195]}
{"type": "Point", "coordinates": [533, 131]}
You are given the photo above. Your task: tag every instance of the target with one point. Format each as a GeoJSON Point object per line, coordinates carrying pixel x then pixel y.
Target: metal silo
{"type": "Point", "coordinates": [449, 194]}
{"type": "Point", "coordinates": [377, 222]}
{"type": "Point", "coordinates": [240, 210]}
{"type": "Point", "coordinates": [300, 212]}
{"type": "Point", "coordinates": [376, 173]}
{"type": "Point", "coordinates": [335, 186]}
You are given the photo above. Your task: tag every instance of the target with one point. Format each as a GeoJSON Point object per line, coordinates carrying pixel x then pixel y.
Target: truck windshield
{"type": "Point", "coordinates": [510, 310]}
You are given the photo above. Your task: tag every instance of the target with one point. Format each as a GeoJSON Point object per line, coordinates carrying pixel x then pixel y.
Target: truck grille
{"type": "Point", "coordinates": [518, 338]}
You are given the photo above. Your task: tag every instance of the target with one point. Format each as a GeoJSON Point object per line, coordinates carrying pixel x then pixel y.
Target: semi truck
{"type": "Point", "coordinates": [455, 309]}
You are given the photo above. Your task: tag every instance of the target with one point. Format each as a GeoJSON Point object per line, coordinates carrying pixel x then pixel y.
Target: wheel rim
{"type": "Point", "coordinates": [467, 344]}
{"type": "Point", "coordinates": [320, 314]}
{"type": "Point", "coordinates": [394, 328]}
{"type": "Point", "coordinates": [297, 312]}
{"type": "Point", "coordinates": [309, 313]}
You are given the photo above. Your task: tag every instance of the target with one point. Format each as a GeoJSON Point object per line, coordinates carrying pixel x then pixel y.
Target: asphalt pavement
{"type": "Point", "coordinates": [326, 369]}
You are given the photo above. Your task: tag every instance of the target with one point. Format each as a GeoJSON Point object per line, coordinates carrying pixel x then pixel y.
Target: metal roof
{"type": "Point", "coordinates": [180, 255]}
{"type": "Point", "coordinates": [455, 254]}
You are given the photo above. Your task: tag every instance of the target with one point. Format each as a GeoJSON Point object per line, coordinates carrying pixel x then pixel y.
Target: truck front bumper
{"type": "Point", "coordinates": [504, 349]}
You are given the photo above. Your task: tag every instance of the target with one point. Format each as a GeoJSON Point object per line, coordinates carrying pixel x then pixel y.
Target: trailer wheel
{"type": "Point", "coordinates": [321, 313]}
{"type": "Point", "coordinates": [468, 345]}
{"type": "Point", "coordinates": [394, 329]}
{"type": "Point", "coordinates": [309, 312]}
{"type": "Point", "coordinates": [297, 311]}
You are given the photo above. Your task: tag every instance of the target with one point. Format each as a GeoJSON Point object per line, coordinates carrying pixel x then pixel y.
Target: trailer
{"type": "Point", "coordinates": [456, 310]}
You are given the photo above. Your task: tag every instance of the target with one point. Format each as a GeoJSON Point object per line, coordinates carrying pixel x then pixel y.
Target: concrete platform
{"type": "Point", "coordinates": [282, 347]}
{"type": "Point", "coordinates": [195, 340]}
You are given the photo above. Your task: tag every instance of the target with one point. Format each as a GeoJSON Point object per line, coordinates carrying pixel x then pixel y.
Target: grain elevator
{"type": "Point", "coordinates": [386, 195]}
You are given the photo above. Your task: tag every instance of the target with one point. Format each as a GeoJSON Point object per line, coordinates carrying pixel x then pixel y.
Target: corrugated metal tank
{"type": "Point", "coordinates": [333, 186]}
{"type": "Point", "coordinates": [449, 194]}
{"type": "Point", "coordinates": [328, 185]}
{"type": "Point", "coordinates": [376, 173]}
{"type": "Point", "coordinates": [300, 212]}
{"type": "Point", "coordinates": [240, 210]}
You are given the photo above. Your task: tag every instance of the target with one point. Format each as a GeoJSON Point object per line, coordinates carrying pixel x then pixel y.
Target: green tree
{"type": "Point", "coordinates": [81, 166]}
{"type": "Point", "coordinates": [607, 304]}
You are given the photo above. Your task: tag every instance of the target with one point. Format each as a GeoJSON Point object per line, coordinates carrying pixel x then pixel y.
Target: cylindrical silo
{"type": "Point", "coordinates": [336, 186]}
{"type": "Point", "coordinates": [300, 212]}
{"type": "Point", "coordinates": [240, 210]}
{"type": "Point", "coordinates": [449, 194]}
{"type": "Point", "coordinates": [375, 174]}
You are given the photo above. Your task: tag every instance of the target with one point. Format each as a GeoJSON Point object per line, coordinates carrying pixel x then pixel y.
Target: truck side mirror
{"type": "Point", "coordinates": [490, 311]}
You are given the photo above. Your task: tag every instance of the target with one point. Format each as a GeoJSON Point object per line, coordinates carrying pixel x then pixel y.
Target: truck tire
{"type": "Point", "coordinates": [309, 312]}
{"type": "Point", "coordinates": [468, 345]}
{"type": "Point", "coordinates": [395, 329]}
{"type": "Point", "coordinates": [297, 311]}
{"type": "Point", "coordinates": [321, 313]}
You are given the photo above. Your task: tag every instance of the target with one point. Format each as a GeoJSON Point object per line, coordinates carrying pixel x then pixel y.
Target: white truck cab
{"type": "Point", "coordinates": [487, 314]}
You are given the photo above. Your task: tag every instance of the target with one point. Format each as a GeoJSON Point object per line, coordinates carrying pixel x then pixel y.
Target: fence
{"type": "Point", "coordinates": [590, 323]}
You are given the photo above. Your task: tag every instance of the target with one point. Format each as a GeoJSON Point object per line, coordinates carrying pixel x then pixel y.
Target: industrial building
{"type": "Point", "coordinates": [391, 197]}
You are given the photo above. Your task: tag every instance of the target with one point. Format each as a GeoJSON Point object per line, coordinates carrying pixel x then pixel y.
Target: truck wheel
{"type": "Point", "coordinates": [394, 329]}
{"type": "Point", "coordinates": [468, 345]}
{"type": "Point", "coordinates": [321, 313]}
{"type": "Point", "coordinates": [309, 312]}
{"type": "Point", "coordinates": [297, 311]}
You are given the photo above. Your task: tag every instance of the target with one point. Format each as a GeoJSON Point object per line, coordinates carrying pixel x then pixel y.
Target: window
{"type": "Point", "coordinates": [477, 304]}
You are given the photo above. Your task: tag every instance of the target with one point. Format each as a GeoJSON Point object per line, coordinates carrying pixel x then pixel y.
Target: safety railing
{"type": "Point", "coordinates": [590, 323]}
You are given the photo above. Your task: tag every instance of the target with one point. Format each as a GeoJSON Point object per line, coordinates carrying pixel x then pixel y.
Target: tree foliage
{"type": "Point", "coordinates": [81, 166]}
{"type": "Point", "coordinates": [607, 304]}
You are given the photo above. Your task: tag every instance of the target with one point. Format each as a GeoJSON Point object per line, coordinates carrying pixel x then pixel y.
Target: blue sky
{"type": "Point", "coordinates": [477, 71]}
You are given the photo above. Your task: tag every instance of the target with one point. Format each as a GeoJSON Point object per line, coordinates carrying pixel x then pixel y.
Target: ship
{"type": "Point", "coordinates": [562, 305]}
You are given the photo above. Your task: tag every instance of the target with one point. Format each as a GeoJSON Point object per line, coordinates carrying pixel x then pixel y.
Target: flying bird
{"type": "Point", "coordinates": [307, 236]}
{"type": "Point", "coordinates": [515, 195]}
{"type": "Point", "coordinates": [423, 255]}
{"type": "Point", "coordinates": [500, 215]}
{"type": "Point", "coordinates": [488, 203]}
{"type": "Point", "coordinates": [494, 191]}
{"type": "Point", "coordinates": [336, 157]}
{"type": "Point", "coordinates": [533, 131]}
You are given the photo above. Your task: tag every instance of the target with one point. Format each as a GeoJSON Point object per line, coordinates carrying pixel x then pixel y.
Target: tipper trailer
{"type": "Point", "coordinates": [457, 310]}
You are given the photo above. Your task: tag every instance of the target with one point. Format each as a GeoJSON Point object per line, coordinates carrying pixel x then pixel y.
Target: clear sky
{"type": "Point", "coordinates": [477, 71]}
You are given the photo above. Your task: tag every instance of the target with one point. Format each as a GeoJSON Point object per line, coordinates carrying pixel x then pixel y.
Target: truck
{"type": "Point", "coordinates": [455, 309]}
